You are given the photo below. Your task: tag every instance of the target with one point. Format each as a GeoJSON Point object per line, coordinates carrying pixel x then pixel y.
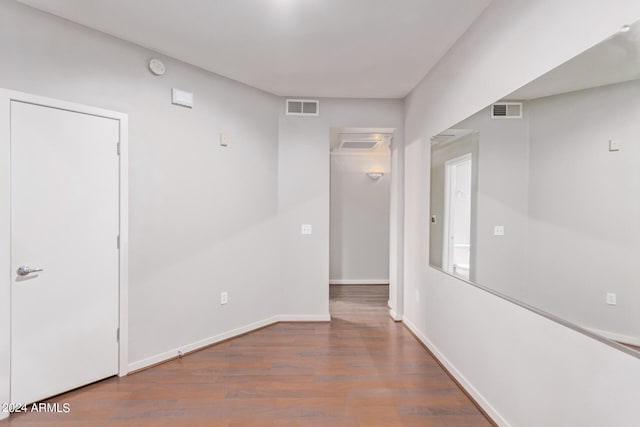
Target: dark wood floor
{"type": "Point", "coordinates": [362, 369]}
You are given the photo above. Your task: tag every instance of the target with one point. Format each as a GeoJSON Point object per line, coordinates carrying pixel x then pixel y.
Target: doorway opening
{"type": "Point", "coordinates": [360, 208]}
{"type": "Point", "coordinates": [457, 215]}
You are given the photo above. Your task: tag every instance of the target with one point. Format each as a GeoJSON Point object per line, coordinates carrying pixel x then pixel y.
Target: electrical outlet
{"type": "Point", "coordinates": [434, 219]}
{"type": "Point", "coordinates": [224, 298]}
{"type": "Point", "coordinates": [611, 298]}
{"type": "Point", "coordinates": [498, 230]}
{"type": "Point", "coordinates": [306, 229]}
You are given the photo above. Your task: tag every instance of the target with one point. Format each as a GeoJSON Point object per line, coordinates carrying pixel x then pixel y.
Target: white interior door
{"type": "Point", "coordinates": [457, 242]}
{"type": "Point", "coordinates": [64, 220]}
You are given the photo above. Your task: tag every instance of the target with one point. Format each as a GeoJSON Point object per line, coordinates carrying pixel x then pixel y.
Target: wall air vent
{"type": "Point", "coordinates": [302, 107]}
{"type": "Point", "coordinates": [506, 110]}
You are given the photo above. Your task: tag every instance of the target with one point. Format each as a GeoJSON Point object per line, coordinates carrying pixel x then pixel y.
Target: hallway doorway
{"type": "Point", "coordinates": [360, 212]}
{"type": "Point", "coordinates": [359, 302]}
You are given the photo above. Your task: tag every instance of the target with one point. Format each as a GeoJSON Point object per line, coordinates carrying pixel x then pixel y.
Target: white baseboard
{"type": "Point", "coordinates": [171, 354]}
{"type": "Point", "coordinates": [199, 344]}
{"type": "Point", "coordinates": [395, 316]}
{"type": "Point", "coordinates": [359, 282]}
{"type": "Point", "coordinates": [486, 406]}
{"type": "Point", "coordinates": [625, 339]}
{"type": "Point", "coordinates": [304, 318]}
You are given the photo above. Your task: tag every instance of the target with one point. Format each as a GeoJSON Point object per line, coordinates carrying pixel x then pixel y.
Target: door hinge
{"type": "Point", "coordinates": [118, 148]}
{"type": "Point", "coordinates": [118, 335]}
{"type": "Point", "coordinates": [118, 242]}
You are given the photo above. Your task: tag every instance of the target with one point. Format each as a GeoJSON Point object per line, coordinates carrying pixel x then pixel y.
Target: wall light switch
{"type": "Point", "coordinates": [306, 229]}
{"type": "Point", "coordinates": [224, 140]}
{"type": "Point", "coordinates": [613, 145]}
{"type": "Point", "coordinates": [498, 230]}
{"type": "Point", "coordinates": [611, 298]}
{"type": "Point", "coordinates": [224, 298]}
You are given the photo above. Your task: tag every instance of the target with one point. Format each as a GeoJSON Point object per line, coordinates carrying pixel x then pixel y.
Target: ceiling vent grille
{"type": "Point", "coordinates": [506, 110]}
{"type": "Point", "coordinates": [302, 107]}
{"type": "Point", "coordinates": [359, 144]}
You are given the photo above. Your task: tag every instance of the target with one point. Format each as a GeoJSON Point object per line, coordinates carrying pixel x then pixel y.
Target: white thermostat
{"type": "Point", "coordinates": [156, 66]}
{"type": "Point", "coordinates": [181, 97]}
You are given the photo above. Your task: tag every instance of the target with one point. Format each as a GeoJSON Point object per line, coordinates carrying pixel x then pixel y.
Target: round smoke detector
{"type": "Point", "coordinates": [156, 66]}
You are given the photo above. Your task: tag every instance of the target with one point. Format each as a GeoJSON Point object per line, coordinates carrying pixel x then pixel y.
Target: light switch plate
{"type": "Point", "coordinates": [498, 230]}
{"type": "Point", "coordinates": [306, 229]}
{"type": "Point", "coordinates": [613, 145]}
{"type": "Point", "coordinates": [224, 140]}
{"type": "Point", "coordinates": [611, 298]}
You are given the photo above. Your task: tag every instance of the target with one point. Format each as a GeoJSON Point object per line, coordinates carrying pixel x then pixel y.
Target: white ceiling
{"type": "Point", "coordinates": [332, 48]}
{"type": "Point", "coordinates": [614, 60]}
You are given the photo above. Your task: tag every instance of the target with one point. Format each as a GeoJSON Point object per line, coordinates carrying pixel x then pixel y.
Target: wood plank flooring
{"type": "Point", "coordinates": [362, 369]}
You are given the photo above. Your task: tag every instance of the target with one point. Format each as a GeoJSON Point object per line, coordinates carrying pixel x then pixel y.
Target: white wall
{"type": "Point", "coordinates": [525, 369]}
{"type": "Point", "coordinates": [304, 164]}
{"type": "Point", "coordinates": [203, 218]}
{"type": "Point", "coordinates": [359, 241]}
{"type": "Point", "coordinates": [584, 207]}
{"type": "Point", "coordinates": [396, 230]}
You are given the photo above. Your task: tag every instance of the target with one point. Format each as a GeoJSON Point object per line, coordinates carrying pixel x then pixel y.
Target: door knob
{"type": "Point", "coordinates": [25, 270]}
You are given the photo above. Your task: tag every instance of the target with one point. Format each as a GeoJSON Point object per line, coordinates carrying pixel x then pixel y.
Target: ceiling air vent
{"type": "Point", "coordinates": [506, 110]}
{"type": "Point", "coordinates": [302, 107]}
{"type": "Point", "coordinates": [359, 144]}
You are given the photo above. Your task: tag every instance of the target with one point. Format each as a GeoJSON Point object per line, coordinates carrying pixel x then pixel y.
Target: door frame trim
{"type": "Point", "coordinates": [6, 97]}
{"type": "Point", "coordinates": [449, 183]}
